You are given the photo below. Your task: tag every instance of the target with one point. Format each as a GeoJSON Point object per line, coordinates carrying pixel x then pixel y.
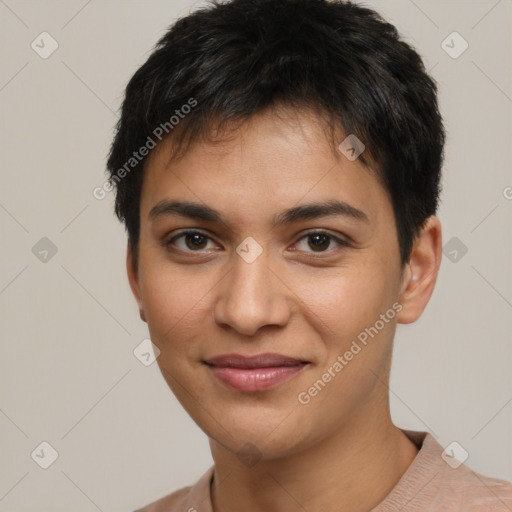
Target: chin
{"type": "Point", "coordinates": [264, 435]}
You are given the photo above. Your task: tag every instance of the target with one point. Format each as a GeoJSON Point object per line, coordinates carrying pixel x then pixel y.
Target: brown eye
{"type": "Point", "coordinates": [195, 241]}
{"type": "Point", "coordinates": [189, 241]}
{"type": "Point", "coordinates": [320, 242]}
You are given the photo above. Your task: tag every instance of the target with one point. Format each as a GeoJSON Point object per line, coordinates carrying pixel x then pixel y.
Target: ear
{"type": "Point", "coordinates": [133, 278]}
{"type": "Point", "coordinates": [420, 273]}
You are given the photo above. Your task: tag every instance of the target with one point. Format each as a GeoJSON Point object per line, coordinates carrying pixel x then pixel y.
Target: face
{"type": "Point", "coordinates": [267, 243]}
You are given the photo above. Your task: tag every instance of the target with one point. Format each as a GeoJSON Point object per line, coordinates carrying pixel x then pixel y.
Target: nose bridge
{"type": "Point", "coordinates": [251, 296]}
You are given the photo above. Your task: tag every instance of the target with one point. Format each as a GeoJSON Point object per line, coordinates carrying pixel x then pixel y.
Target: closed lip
{"type": "Point", "coordinates": [267, 360]}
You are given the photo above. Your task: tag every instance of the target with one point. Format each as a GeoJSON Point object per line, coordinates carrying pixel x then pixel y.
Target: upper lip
{"type": "Point", "coordinates": [257, 361]}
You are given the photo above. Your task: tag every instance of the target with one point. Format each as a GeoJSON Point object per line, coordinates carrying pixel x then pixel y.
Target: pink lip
{"type": "Point", "coordinates": [254, 373]}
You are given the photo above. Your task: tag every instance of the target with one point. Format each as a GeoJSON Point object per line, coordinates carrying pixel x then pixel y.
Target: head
{"type": "Point", "coordinates": [300, 145]}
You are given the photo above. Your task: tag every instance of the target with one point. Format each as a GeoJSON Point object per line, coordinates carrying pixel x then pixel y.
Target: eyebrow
{"type": "Point", "coordinates": [307, 211]}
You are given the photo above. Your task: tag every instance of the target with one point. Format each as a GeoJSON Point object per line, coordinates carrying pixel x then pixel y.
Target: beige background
{"type": "Point", "coordinates": [68, 374]}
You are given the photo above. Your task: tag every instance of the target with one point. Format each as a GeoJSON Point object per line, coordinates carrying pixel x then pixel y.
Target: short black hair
{"type": "Point", "coordinates": [228, 61]}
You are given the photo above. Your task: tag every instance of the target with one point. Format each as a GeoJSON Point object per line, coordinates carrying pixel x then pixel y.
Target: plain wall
{"type": "Point", "coordinates": [68, 374]}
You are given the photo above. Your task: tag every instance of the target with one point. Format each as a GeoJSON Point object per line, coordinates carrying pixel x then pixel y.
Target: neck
{"type": "Point", "coordinates": [354, 469]}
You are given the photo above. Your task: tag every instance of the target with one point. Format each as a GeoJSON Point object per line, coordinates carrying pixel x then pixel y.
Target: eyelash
{"type": "Point", "coordinates": [341, 243]}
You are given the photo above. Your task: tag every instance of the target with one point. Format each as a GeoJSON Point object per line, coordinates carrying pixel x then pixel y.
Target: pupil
{"type": "Point", "coordinates": [319, 241]}
{"type": "Point", "coordinates": [195, 241]}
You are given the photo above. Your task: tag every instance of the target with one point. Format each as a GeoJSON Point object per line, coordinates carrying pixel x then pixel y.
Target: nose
{"type": "Point", "coordinates": [251, 296]}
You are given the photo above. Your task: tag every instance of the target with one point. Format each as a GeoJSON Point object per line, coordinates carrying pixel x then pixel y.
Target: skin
{"type": "Point", "coordinates": [340, 451]}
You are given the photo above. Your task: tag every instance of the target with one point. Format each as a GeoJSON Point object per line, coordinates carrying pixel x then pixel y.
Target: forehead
{"type": "Point", "coordinates": [271, 161]}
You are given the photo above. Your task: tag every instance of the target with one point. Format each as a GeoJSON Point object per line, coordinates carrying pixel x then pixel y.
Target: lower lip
{"type": "Point", "coordinates": [255, 379]}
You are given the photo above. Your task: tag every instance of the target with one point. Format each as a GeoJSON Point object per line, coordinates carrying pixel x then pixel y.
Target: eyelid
{"type": "Point", "coordinates": [167, 240]}
{"type": "Point", "coordinates": [342, 243]}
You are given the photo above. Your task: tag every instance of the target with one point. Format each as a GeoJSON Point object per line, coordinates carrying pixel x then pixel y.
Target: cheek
{"type": "Point", "coordinates": [175, 300]}
{"type": "Point", "coordinates": [176, 308]}
{"type": "Point", "coordinates": [345, 302]}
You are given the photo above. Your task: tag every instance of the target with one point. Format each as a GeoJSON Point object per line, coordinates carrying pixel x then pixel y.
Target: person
{"type": "Point", "coordinates": [277, 167]}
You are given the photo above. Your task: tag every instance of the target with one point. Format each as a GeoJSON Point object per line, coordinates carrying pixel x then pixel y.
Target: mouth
{"type": "Point", "coordinates": [254, 373]}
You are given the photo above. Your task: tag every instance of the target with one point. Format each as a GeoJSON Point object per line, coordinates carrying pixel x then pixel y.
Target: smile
{"type": "Point", "coordinates": [254, 373]}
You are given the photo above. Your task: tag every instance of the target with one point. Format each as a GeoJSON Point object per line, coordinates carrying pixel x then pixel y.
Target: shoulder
{"type": "Point", "coordinates": [436, 481]}
{"type": "Point", "coordinates": [465, 487]}
{"type": "Point", "coordinates": [459, 487]}
{"type": "Point", "coordinates": [171, 502]}
{"type": "Point", "coordinates": [195, 498]}
{"type": "Point", "coordinates": [476, 492]}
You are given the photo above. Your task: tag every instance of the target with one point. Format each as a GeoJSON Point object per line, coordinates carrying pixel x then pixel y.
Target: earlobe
{"type": "Point", "coordinates": [420, 273]}
{"type": "Point", "coordinates": [133, 279]}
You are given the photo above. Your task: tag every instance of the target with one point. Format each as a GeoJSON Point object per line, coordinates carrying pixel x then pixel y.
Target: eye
{"type": "Point", "coordinates": [319, 242]}
{"type": "Point", "coordinates": [189, 241]}
{"type": "Point", "coordinates": [313, 242]}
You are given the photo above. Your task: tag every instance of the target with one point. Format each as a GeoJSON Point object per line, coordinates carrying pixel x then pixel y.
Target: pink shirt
{"type": "Point", "coordinates": [430, 484]}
